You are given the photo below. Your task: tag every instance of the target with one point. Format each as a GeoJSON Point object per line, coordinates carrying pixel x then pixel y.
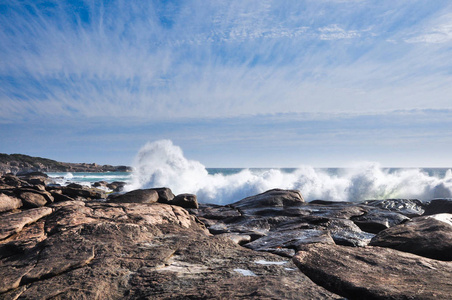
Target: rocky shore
{"type": "Point", "coordinates": [76, 242]}
{"type": "Point", "coordinates": [19, 163]}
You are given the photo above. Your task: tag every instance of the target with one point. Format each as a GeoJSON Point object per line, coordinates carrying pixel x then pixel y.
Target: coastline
{"type": "Point", "coordinates": [77, 242]}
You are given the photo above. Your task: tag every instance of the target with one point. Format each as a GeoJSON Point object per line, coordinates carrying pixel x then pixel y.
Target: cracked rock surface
{"type": "Point", "coordinates": [98, 250]}
{"type": "Point", "coordinates": [269, 246]}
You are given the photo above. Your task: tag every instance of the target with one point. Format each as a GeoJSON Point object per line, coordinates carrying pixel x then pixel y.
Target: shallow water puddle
{"type": "Point", "coordinates": [266, 262]}
{"type": "Point", "coordinates": [245, 272]}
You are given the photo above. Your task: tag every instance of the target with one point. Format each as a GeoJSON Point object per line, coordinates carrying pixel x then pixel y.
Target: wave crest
{"type": "Point", "coordinates": [161, 163]}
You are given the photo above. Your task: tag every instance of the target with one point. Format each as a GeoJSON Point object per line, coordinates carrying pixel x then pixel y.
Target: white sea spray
{"type": "Point", "coordinates": [162, 164]}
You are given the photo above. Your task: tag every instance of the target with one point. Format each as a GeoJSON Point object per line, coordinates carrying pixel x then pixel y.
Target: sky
{"type": "Point", "coordinates": [325, 83]}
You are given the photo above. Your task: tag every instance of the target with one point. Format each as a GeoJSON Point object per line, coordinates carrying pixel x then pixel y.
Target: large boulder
{"type": "Point", "coordinates": [136, 196]}
{"type": "Point", "coordinates": [165, 194]}
{"type": "Point", "coordinates": [375, 220]}
{"type": "Point", "coordinates": [117, 186]}
{"type": "Point", "coordinates": [9, 202]}
{"type": "Point", "coordinates": [426, 236]}
{"type": "Point", "coordinates": [185, 201]}
{"type": "Point", "coordinates": [33, 198]}
{"type": "Point", "coordinates": [375, 273]}
{"type": "Point", "coordinates": [271, 198]}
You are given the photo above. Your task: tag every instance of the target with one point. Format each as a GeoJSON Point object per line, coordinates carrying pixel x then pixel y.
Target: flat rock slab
{"type": "Point", "coordinates": [14, 222]}
{"type": "Point", "coordinates": [145, 251]}
{"type": "Point", "coordinates": [375, 273]}
{"type": "Point", "coordinates": [426, 236]}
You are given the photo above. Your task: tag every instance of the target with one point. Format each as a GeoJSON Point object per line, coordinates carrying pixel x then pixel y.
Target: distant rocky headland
{"type": "Point", "coordinates": [20, 163]}
{"type": "Point", "coordinates": [79, 242]}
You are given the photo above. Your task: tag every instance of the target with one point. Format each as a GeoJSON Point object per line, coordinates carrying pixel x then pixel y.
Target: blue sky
{"type": "Point", "coordinates": [234, 83]}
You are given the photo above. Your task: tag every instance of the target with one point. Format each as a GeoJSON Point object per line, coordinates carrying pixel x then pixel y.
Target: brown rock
{"type": "Point", "coordinates": [84, 192]}
{"type": "Point", "coordinates": [185, 201]}
{"type": "Point", "coordinates": [13, 181]}
{"type": "Point", "coordinates": [136, 196]}
{"type": "Point", "coordinates": [24, 240]}
{"type": "Point", "coordinates": [271, 198]}
{"type": "Point", "coordinates": [14, 222]}
{"type": "Point", "coordinates": [144, 251]}
{"type": "Point", "coordinates": [9, 202]}
{"type": "Point", "coordinates": [375, 273]}
{"type": "Point", "coordinates": [32, 199]}
{"type": "Point", "coordinates": [165, 194]}
{"type": "Point", "coordinates": [426, 236]}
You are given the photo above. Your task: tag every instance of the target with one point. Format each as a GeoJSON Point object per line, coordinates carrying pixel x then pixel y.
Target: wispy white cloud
{"type": "Point", "coordinates": [164, 61]}
{"type": "Point", "coordinates": [334, 32]}
{"type": "Point", "coordinates": [441, 33]}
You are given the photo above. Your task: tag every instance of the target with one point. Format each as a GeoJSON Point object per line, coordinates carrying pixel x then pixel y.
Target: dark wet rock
{"type": "Point", "coordinates": [185, 201]}
{"type": "Point", "coordinates": [165, 194]}
{"type": "Point", "coordinates": [375, 273]}
{"type": "Point", "coordinates": [217, 212]}
{"type": "Point", "coordinates": [12, 223]}
{"type": "Point", "coordinates": [346, 232]}
{"type": "Point", "coordinates": [327, 202]}
{"type": "Point", "coordinates": [75, 185]}
{"type": "Point", "coordinates": [136, 196]}
{"type": "Point", "coordinates": [290, 240]}
{"type": "Point", "coordinates": [100, 184]}
{"type": "Point", "coordinates": [426, 236]}
{"type": "Point", "coordinates": [9, 202]}
{"type": "Point", "coordinates": [407, 207]}
{"type": "Point", "coordinates": [438, 206]}
{"type": "Point", "coordinates": [375, 220]}
{"type": "Point", "coordinates": [116, 186]}
{"type": "Point", "coordinates": [280, 229]}
{"type": "Point", "coordinates": [271, 198]}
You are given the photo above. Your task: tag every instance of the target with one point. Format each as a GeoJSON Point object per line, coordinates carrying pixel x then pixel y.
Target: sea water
{"type": "Point", "coordinates": [162, 164]}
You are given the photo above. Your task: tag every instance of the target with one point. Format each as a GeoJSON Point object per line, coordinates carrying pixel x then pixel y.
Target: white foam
{"type": "Point", "coordinates": [245, 272]}
{"type": "Point", "coordinates": [162, 164]}
{"type": "Point", "coordinates": [446, 218]}
{"type": "Point", "coordinates": [266, 262]}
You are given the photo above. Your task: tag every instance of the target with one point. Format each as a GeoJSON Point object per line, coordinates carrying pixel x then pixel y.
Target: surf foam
{"type": "Point", "coordinates": [162, 164]}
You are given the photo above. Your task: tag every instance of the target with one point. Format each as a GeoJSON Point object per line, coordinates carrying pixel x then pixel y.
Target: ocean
{"type": "Point", "coordinates": [227, 185]}
{"type": "Point", "coordinates": [162, 164]}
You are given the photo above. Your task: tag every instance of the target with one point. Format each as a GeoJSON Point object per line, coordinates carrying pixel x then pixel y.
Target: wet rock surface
{"type": "Point", "coordinates": [150, 244]}
{"type": "Point", "coordinates": [283, 224]}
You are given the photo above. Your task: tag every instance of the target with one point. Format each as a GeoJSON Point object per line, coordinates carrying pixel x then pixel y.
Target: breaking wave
{"type": "Point", "coordinates": [162, 164]}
